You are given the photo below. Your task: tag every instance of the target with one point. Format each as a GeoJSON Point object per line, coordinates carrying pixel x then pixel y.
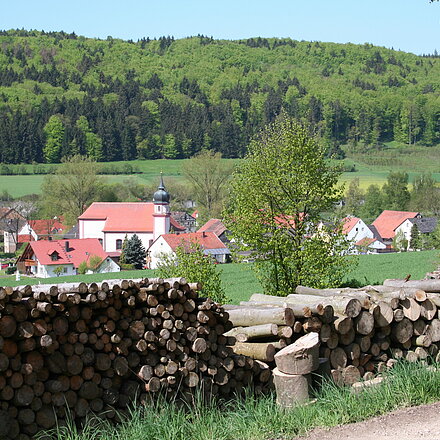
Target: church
{"type": "Point", "coordinates": [110, 222]}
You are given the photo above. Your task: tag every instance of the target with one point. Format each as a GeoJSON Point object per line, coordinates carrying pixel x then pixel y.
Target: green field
{"type": "Point", "coordinates": [371, 167]}
{"type": "Point", "coordinates": [240, 283]}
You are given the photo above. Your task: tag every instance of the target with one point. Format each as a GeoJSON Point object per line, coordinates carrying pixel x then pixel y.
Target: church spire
{"type": "Point", "coordinates": [161, 195]}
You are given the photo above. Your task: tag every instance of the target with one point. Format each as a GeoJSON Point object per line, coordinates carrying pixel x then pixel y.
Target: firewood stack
{"type": "Point", "coordinates": [362, 331]}
{"type": "Point", "coordinates": [77, 349]}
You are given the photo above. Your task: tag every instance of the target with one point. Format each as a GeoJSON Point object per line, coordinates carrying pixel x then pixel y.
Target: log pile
{"type": "Point", "coordinates": [362, 332]}
{"type": "Point", "coordinates": [77, 348]}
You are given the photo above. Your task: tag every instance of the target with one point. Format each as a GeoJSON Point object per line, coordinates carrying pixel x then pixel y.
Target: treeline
{"type": "Point", "coordinates": [63, 94]}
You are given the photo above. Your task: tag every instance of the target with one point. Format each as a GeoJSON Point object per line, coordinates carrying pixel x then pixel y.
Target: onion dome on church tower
{"type": "Point", "coordinates": [161, 195]}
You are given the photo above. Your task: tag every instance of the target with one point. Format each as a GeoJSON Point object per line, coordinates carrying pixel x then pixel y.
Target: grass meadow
{"type": "Point", "coordinates": [259, 418]}
{"type": "Point", "coordinates": [372, 167]}
{"type": "Point", "coordinates": [240, 283]}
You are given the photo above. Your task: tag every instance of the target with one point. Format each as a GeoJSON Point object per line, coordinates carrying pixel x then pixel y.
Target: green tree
{"type": "Point", "coordinates": [400, 243]}
{"type": "Point", "coordinates": [191, 263]}
{"type": "Point", "coordinates": [73, 187]}
{"type": "Point", "coordinates": [425, 195]}
{"type": "Point", "coordinates": [54, 132]}
{"type": "Point", "coordinates": [373, 203]}
{"type": "Point", "coordinates": [396, 194]}
{"type": "Point", "coordinates": [123, 250]}
{"type": "Point", "coordinates": [58, 270]}
{"type": "Point", "coordinates": [135, 252]}
{"type": "Point", "coordinates": [416, 240]}
{"type": "Point", "coordinates": [208, 175]}
{"type": "Point", "coordinates": [279, 194]}
{"type": "Point", "coordinates": [354, 198]}
{"type": "Point", "coordinates": [93, 143]}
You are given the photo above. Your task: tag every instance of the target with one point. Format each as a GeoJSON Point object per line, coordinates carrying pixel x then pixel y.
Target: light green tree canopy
{"type": "Point", "coordinates": [279, 196]}
{"type": "Point", "coordinates": [73, 187]}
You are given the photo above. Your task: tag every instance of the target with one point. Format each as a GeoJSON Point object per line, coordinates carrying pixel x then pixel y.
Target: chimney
{"type": "Point", "coordinates": [67, 247]}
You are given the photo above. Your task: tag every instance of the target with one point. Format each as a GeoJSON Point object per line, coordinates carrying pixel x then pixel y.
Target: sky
{"type": "Point", "coordinates": [408, 25]}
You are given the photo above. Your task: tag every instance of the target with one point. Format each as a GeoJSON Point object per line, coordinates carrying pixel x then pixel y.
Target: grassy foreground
{"type": "Point", "coordinates": [253, 418]}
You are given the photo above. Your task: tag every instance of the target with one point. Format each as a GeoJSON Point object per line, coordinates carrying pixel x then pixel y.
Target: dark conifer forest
{"type": "Point", "coordinates": [63, 94]}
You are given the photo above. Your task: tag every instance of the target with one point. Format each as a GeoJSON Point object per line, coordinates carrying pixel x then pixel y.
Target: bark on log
{"type": "Point", "coordinates": [291, 389]}
{"type": "Point", "coordinates": [255, 316]}
{"type": "Point", "coordinates": [263, 351]}
{"type": "Point", "coordinates": [426, 285]}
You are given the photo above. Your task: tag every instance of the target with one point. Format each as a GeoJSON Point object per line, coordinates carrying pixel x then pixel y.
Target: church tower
{"type": "Point", "coordinates": [161, 216]}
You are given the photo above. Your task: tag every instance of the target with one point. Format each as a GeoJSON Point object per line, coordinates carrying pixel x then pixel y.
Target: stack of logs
{"type": "Point", "coordinates": [77, 349]}
{"type": "Point", "coordinates": [362, 331]}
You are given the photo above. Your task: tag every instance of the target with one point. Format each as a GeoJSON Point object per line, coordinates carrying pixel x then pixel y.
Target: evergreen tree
{"type": "Point", "coordinates": [123, 251]}
{"type": "Point", "coordinates": [134, 252]}
{"type": "Point", "coordinates": [416, 239]}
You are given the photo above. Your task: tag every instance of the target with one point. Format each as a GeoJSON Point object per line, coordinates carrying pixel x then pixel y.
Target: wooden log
{"type": "Point", "coordinates": [338, 358]}
{"type": "Point", "coordinates": [428, 309]}
{"type": "Point", "coordinates": [263, 351]}
{"type": "Point", "coordinates": [383, 314]}
{"type": "Point", "coordinates": [343, 324]}
{"type": "Point", "coordinates": [403, 330]}
{"type": "Point", "coordinates": [434, 330]}
{"type": "Point", "coordinates": [243, 334]}
{"type": "Point", "coordinates": [290, 389]}
{"type": "Point", "coordinates": [364, 323]}
{"type": "Point", "coordinates": [426, 285]}
{"type": "Point", "coordinates": [301, 357]}
{"type": "Point", "coordinates": [350, 375]}
{"type": "Point", "coordinates": [411, 309]}
{"type": "Point", "coordinates": [255, 316]}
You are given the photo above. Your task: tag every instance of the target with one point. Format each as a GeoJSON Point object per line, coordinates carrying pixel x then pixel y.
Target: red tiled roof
{"type": "Point", "coordinates": [25, 238]}
{"type": "Point", "coordinates": [388, 221]}
{"type": "Point", "coordinates": [207, 240]}
{"type": "Point", "coordinates": [46, 227]}
{"type": "Point", "coordinates": [176, 225]}
{"type": "Point", "coordinates": [79, 250]}
{"type": "Point", "coordinates": [122, 217]}
{"type": "Point", "coordinates": [366, 241]}
{"type": "Point", "coordinates": [349, 224]}
{"type": "Point", "coordinates": [214, 225]}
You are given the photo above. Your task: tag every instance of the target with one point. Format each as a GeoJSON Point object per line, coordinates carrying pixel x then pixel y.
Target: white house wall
{"type": "Point", "coordinates": [110, 238]}
{"type": "Point", "coordinates": [359, 231]}
{"type": "Point", "coordinates": [47, 271]}
{"type": "Point", "coordinates": [91, 229]}
{"type": "Point", "coordinates": [405, 228]}
{"type": "Point", "coordinates": [108, 266]}
{"type": "Point", "coordinates": [157, 249]}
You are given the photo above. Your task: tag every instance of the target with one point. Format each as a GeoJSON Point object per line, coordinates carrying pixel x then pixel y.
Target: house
{"type": "Point", "coordinates": [425, 225]}
{"type": "Point", "coordinates": [370, 245]}
{"type": "Point", "coordinates": [49, 258]}
{"type": "Point", "coordinates": [187, 221]}
{"type": "Point", "coordinates": [215, 225]}
{"type": "Point", "coordinates": [111, 222]}
{"type": "Point", "coordinates": [387, 223]}
{"type": "Point", "coordinates": [32, 230]}
{"type": "Point", "coordinates": [168, 243]}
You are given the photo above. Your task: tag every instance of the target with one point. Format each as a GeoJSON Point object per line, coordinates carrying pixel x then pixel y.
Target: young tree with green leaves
{"type": "Point", "coordinates": [279, 196]}
{"type": "Point", "coordinates": [396, 194]}
{"type": "Point", "coordinates": [416, 240]}
{"type": "Point", "coordinates": [54, 132]}
{"type": "Point", "coordinates": [373, 203]}
{"type": "Point", "coordinates": [73, 187]}
{"type": "Point", "coordinates": [192, 264]}
{"type": "Point", "coordinates": [208, 175]}
{"type": "Point", "coordinates": [134, 252]}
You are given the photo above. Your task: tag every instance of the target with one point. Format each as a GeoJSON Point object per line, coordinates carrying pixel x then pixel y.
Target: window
{"type": "Point", "coordinates": [65, 269]}
{"type": "Point", "coordinates": [118, 244]}
{"type": "Point", "coordinates": [54, 256]}
{"type": "Point", "coordinates": [100, 241]}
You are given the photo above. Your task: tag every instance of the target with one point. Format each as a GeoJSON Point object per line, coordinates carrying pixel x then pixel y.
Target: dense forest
{"type": "Point", "coordinates": [62, 94]}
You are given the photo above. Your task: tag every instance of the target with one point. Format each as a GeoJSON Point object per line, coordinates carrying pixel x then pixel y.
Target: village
{"type": "Point", "coordinates": [95, 243]}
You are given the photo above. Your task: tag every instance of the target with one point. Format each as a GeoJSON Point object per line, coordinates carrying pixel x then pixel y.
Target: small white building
{"type": "Point", "coordinates": [45, 258]}
{"type": "Point", "coordinates": [168, 243]}
{"type": "Point", "coordinates": [370, 246]}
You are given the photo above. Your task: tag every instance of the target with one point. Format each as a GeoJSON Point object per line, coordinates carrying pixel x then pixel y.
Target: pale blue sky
{"type": "Point", "coordinates": [409, 25]}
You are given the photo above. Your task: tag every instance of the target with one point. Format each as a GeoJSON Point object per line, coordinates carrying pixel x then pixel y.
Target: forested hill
{"type": "Point", "coordinates": [62, 94]}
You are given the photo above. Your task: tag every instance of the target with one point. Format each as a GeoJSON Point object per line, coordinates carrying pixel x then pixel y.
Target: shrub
{"type": "Point", "coordinates": [11, 270]}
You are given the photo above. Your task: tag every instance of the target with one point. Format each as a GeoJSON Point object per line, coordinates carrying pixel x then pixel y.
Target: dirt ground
{"type": "Point", "coordinates": [421, 422]}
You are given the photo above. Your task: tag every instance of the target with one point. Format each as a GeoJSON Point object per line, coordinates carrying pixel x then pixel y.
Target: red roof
{"type": "Point", "coordinates": [176, 225]}
{"type": "Point", "coordinates": [366, 241]}
{"type": "Point", "coordinates": [46, 226]}
{"type": "Point", "coordinates": [25, 238]}
{"type": "Point", "coordinates": [79, 250]}
{"type": "Point", "coordinates": [349, 224]}
{"type": "Point", "coordinates": [388, 221]}
{"type": "Point", "coordinates": [214, 225]}
{"type": "Point", "coordinates": [122, 217]}
{"type": "Point", "coordinates": [207, 240]}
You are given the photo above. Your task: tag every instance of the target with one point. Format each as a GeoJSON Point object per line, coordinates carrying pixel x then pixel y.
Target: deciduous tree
{"type": "Point", "coordinates": [279, 196]}
{"type": "Point", "coordinates": [73, 187]}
